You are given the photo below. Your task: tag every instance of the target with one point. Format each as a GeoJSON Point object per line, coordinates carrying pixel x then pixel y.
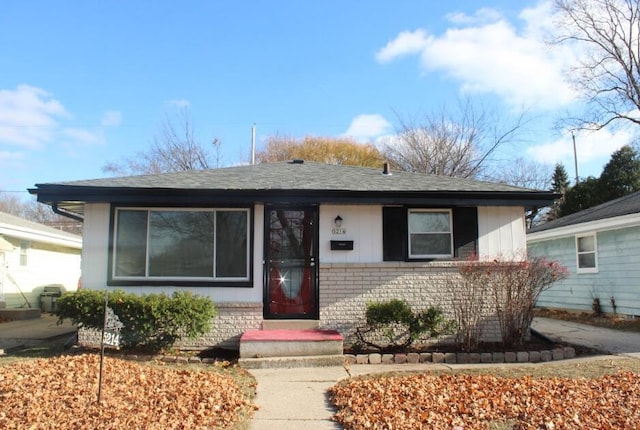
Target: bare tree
{"type": "Point", "coordinates": [607, 74]}
{"type": "Point", "coordinates": [456, 143]}
{"type": "Point", "coordinates": [524, 173]}
{"type": "Point", "coordinates": [520, 172]}
{"type": "Point", "coordinates": [174, 149]}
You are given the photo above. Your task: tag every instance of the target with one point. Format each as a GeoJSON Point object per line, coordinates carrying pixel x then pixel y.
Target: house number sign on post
{"type": "Point", "coordinates": [112, 327]}
{"type": "Point", "coordinates": [110, 337]}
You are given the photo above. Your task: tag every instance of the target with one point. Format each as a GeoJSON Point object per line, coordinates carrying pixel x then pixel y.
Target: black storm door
{"type": "Point", "coordinates": [291, 287]}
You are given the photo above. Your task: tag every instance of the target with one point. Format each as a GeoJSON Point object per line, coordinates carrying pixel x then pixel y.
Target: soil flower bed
{"type": "Point", "coordinates": [451, 401]}
{"type": "Point", "coordinates": [61, 393]}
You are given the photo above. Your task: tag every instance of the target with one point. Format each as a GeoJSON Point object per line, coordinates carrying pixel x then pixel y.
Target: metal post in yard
{"type": "Point", "coordinates": [106, 300]}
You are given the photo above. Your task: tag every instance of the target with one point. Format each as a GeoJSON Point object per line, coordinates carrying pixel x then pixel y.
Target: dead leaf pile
{"type": "Point", "coordinates": [61, 393]}
{"type": "Point", "coordinates": [475, 401]}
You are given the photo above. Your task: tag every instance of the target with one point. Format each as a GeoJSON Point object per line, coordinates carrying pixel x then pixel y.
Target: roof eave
{"type": "Point", "coordinates": [72, 198]}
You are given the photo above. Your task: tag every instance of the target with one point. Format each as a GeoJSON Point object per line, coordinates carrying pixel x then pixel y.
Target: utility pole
{"type": "Point", "coordinates": [253, 144]}
{"type": "Point", "coordinates": [575, 157]}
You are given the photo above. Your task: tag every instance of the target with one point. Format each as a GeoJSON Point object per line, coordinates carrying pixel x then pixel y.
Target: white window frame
{"type": "Point", "coordinates": [147, 277]}
{"type": "Point", "coordinates": [594, 252]}
{"type": "Point", "coordinates": [449, 212]}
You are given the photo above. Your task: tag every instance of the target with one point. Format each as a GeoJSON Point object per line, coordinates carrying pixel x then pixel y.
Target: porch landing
{"type": "Point", "coordinates": [291, 348]}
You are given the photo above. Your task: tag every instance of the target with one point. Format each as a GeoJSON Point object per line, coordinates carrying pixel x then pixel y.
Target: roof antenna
{"type": "Point", "coordinates": [386, 170]}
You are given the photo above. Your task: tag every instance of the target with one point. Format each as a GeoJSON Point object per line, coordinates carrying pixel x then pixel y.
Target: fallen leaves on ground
{"type": "Point", "coordinates": [61, 393]}
{"type": "Point", "coordinates": [475, 401]}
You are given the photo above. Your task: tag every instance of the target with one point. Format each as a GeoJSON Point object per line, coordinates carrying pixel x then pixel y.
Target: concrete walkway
{"type": "Point", "coordinates": [297, 398]}
{"type": "Point", "coordinates": [606, 340]}
{"type": "Point", "coordinates": [21, 333]}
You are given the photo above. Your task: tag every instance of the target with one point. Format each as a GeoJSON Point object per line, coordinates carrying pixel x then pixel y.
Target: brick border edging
{"type": "Point", "coordinates": [463, 357]}
{"type": "Point", "coordinates": [542, 356]}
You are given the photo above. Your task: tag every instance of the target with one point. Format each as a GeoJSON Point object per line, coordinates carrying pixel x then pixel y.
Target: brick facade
{"type": "Point", "coordinates": [345, 290]}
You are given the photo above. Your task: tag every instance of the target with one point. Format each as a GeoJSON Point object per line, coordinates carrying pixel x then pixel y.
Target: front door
{"type": "Point", "coordinates": [291, 287]}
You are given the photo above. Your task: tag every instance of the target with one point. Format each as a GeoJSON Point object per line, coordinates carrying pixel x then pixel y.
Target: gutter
{"type": "Point", "coordinates": [74, 216]}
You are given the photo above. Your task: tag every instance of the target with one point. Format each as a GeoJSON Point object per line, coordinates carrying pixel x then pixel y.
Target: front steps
{"type": "Point", "coordinates": [291, 348]}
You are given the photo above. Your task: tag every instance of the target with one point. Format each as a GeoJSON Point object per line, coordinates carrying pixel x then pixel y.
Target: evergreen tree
{"type": "Point", "coordinates": [581, 196]}
{"type": "Point", "coordinates": [621, 175]}
{"type": "Point", "coordinates": [560, 179]}
{"type": "Point", "coordinates": [559, 184]}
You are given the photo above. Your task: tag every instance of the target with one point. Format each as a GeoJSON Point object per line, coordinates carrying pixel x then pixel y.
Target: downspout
{"type": "Point", "coordinates": [57, 210]}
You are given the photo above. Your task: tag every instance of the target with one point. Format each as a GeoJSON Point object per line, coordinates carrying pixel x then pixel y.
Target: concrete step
{"type": "Point", "coordinates": [290, 362]}
{"type": "Point", "coordinates": [290, 343]}
{"type": "Point", "coordinates": [290, 324]}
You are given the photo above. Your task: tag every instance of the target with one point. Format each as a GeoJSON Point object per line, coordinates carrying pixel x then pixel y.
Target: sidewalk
{"type": "Point", "coordinates": [297, 398]}
{"type": "Point", "coordinates": [606, 340]}
{"type": "Point", "coordinates": [21, 333]}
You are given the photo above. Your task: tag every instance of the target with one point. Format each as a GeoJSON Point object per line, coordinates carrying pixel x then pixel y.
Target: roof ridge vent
{"type": "Point", "coordinates": [297, 161]}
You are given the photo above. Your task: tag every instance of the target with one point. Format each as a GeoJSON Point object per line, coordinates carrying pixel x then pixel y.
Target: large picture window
{"type": "Point", "coordinates": [181, 244]}
{"type": "Point", "coordinates": [430, 233]}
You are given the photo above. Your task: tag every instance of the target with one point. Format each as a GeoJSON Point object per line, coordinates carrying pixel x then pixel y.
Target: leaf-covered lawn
{"type": "Point", "coordinates": [61, 393]}
{"type": "Point", "coordinates": [450, 401]}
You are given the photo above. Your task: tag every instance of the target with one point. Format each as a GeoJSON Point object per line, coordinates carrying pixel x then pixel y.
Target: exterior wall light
{"type": "Point", "coordinates": [338, 221]}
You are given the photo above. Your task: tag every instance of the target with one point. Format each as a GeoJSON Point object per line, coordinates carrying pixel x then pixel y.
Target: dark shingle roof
{"type": "Point", "coordinates": [625, 205]}
{"type": "Point", "coordinates": [306, 182]}
{"type": "Point", "coordinates": [293, 176]}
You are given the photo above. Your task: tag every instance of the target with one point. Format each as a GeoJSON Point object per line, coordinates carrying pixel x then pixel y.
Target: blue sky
{"type": "Point", "coordinates": [87, 82]}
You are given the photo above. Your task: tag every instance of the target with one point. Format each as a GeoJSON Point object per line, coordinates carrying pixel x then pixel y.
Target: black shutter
{"type": "Point", "coordinates": [465, 231]}
{"type": "Point", "coordinates": [394, 233]}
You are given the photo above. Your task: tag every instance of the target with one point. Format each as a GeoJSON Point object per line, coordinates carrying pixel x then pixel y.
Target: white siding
{"type": "Point", "coordinates": [501, 232]}
{"type": "Point", "coordinates": [46, 264]}
{"type": "Point", "coordinates": [362, 224]}
{"type": "Point", "coordinates": [95, 246]}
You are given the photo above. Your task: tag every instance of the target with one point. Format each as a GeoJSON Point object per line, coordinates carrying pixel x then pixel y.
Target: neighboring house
{"type": "Point", "coordinates": [601, 248]}
{"type": "Point", "coordinates": [291, 240]}
{"type": "Point", "coordinates": [33, 256]}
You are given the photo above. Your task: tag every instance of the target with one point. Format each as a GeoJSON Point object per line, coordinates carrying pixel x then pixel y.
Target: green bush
{"type": "Point", "coordinates": [151, 322]}
{"type": "Point", "coordinates": [399, 326]}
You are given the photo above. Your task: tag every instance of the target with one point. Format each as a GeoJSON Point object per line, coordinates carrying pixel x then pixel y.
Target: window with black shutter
{"type": "Point", "coordinates": [429, 233]}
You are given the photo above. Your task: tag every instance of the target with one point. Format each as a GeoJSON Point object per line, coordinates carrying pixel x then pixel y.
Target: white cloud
{"type": "Point", "coordinates": [488, 54]}
{"type": "Point", "coordinates": [32, 119]}
{"type": "Point", "coordinates": [368, 126]}
{"type": "Point", "coordinates": [111, 118]}
{"type": "Point", "coordinates": [406, 43]}
{"type": "Point", "coordinates": [28, 116]}
{"type": "Point", "coordinates": [482, 15]}
{"type": "Point", "coordinates": [80, 136]}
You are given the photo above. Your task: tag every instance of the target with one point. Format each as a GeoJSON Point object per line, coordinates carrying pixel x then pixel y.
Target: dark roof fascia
{"type": "Point", "coordinates": [60, 194]}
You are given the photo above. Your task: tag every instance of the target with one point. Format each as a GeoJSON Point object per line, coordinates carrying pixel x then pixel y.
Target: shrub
{"type": "Point", "coordinates": [512, 289]}
{"type": "Point", "coordinates": [469, 297]}
{"type": "Point", "coordinates": [399, 326]}
{"type": "Point", "coordinates": [151, 322]}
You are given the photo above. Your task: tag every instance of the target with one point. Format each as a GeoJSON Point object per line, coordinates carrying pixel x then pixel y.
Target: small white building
{"type": "Point", "coordinates": [33, 256]}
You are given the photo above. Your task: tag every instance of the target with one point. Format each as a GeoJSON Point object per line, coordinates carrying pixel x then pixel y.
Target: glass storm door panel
{"type": "Point", "coordinates": [291, 286]}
